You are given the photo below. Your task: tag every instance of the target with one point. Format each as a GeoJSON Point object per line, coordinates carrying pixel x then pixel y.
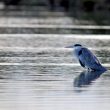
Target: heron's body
{"type": "Point", "coordinates": [87, 59]}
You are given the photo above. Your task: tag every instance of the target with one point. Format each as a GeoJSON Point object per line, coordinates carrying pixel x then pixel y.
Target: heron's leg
{"type": "Point", "coordinates": [89, 69]}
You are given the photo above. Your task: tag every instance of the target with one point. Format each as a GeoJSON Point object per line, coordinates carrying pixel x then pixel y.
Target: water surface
{"type": "Point", "coordinates": [38, 73]}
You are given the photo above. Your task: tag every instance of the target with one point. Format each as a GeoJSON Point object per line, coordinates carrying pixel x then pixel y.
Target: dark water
{"type": "Point", "coordinates": [38, 73]}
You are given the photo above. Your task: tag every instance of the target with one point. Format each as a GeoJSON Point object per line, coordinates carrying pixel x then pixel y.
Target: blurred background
{"type": "Point", "coordinates": [92, 14]}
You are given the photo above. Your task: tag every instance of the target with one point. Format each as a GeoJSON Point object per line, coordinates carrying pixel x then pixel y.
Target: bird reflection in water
{"type": "Point", "coordinates": [86, 78]}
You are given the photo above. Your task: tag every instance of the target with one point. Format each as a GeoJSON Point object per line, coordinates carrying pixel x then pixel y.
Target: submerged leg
{"type": "Point", "coordinates": [91, 69]}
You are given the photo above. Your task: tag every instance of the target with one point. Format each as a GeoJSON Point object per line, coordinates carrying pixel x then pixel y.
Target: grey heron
{"type": "Point", "coordinates": [86, 58]}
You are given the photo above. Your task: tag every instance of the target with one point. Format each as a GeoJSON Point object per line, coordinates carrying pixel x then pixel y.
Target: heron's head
{"type": "Point", "coordinates": [74, 46]}
{"type": "Point", "coordinates": [77, 45]}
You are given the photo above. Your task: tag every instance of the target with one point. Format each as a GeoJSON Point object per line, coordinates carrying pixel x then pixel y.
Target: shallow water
{"type": "Point", "coordinates": [38, 73]}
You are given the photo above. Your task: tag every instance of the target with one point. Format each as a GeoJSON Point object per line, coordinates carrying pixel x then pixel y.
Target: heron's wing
{"type": "Point", "coordinates": [89, 57]}
{"type": "Point", "coordinates": [81, 63]}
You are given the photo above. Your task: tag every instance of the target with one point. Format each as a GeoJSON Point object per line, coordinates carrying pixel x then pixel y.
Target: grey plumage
{"type": "Point", "coordinates": [86, 58]}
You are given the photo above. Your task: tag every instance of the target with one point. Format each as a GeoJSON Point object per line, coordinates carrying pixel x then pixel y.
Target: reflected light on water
{"type": "Point", "coordinates": [37, 73]}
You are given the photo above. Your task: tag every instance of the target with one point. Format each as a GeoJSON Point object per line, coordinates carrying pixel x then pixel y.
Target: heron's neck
{"type": "Point", "coordinates": [76, 50]}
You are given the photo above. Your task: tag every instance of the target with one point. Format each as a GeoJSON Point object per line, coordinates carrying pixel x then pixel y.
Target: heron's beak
{"type": "Point", "coordinates": [69, 46]}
